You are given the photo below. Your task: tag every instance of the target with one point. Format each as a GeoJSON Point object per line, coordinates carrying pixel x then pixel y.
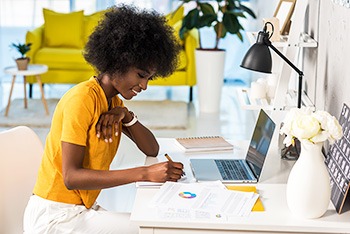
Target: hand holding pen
{"type": "Point", "coordinates": [170, 160]}
{"type": "Point", "coordinates": [164, 171]}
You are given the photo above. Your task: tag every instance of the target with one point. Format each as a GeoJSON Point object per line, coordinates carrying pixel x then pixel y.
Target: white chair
{"type": "Point", "coordinates": [20, 156]}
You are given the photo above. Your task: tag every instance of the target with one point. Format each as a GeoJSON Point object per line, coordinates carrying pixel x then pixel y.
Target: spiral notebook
{"type": "Point", "coordinates": [205, 143]}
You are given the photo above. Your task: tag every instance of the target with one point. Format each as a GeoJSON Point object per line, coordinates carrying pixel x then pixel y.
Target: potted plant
{"type": "Point", "coordinates": [22, 62]}
{"type": "Point", "coordinates": [223, 17]}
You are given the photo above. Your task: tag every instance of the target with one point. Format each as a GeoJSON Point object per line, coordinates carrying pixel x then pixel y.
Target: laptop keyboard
{"type": "Point", "coordinates": [232, 169]}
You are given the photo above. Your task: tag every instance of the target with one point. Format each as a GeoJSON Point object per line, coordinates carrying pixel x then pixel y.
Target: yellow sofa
{"type": "Point", "coordinates": [59, 43]}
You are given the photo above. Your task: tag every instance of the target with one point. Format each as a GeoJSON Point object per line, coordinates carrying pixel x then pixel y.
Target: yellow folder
{"type": "Point", "coordinates": [258, 206]}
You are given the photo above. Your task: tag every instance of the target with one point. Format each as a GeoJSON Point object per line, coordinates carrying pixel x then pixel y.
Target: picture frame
{"type": "Point", "coordinates": [284, 13]}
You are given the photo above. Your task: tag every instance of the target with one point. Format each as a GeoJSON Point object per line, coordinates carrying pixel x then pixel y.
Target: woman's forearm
{"type": "Point", "coordinates": [87, 179]}
{"type": "Point", "coordinates": [143, 138]}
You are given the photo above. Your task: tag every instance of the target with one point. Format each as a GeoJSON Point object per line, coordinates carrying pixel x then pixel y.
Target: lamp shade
{"type": "Point", "coordinates": [258, 57]}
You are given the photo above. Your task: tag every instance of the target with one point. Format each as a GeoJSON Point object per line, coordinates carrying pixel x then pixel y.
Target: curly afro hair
{"type": "Point", "coordinates": [129, 37]}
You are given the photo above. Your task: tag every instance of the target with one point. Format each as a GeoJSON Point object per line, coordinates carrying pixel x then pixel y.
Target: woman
{"type": "Point", "coordinates": [128, 48]}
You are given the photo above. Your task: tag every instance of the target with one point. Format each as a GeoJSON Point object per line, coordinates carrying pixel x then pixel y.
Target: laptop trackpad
{"type": "Point", "coordinates": [205, 170]}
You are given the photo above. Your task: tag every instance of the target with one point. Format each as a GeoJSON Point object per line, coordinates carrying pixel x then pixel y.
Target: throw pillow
{"type": "Point", "coordinates": [177, 27]}
{"type": "Point", "coordinates": [90, 22]}
{"type": "Point", "coordinates": [63, 29]}
{"type": "Point", "coordinates": [173, 17]}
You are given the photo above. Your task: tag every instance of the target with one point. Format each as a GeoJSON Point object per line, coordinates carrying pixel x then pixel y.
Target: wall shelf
{"type": "Point", "coordinates": [249, 103]}
{"type": "Point", "coordinates": [305, 40]}
{"type": "Point", "coordinates": [291, 47]}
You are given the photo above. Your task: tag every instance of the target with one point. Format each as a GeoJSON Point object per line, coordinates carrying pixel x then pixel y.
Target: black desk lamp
{"type": "Point", "coordinates": [258, 57]}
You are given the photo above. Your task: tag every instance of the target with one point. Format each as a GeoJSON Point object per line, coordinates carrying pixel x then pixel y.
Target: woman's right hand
{"type": "Point", "coordinates": [109, 123]}
{"type": "Point", "coordinates": [165, 171]}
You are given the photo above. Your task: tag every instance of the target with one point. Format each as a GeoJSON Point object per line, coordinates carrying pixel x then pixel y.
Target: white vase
{"type": "Point", "coordinates": [210, 78]}
{"type": "Point", "coordinates": [308, 187]}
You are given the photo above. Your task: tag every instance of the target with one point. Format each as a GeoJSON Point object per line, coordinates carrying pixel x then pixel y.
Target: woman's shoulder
{"type": "Point", "coordinates": [86, 88]}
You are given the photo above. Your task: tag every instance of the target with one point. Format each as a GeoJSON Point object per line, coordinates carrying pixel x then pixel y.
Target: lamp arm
{"type": "Point", "coordinates": [268, 43]}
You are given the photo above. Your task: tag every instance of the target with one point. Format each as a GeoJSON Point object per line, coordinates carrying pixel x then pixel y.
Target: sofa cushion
{"type": "Point", "coordinates": [72, 59]}
{"type": "Point", "coordinates": [63, 29]}
{"type": "Point", "coordinates": [174, 19]}
{"type": "Point", "coordinates": [177, 27]}
{"type": "Point", "coordinates": [62, 58]}
{"type": "Point", "coordinates": [90, 22]}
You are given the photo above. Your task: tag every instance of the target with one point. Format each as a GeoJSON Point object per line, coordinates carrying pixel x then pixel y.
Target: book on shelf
{"type": "Point", "coordinates": [205, 143]}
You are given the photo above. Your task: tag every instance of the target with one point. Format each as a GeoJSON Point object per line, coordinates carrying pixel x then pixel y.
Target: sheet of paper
{"type": "Point", "coordinates": [202, 200]}
{"type": "Point", "coordinates": [180, 213]}
{"type": "Point", "coordinates": [145, 184]}
{"type": "Point", "coordinates": [258, 206]}
{"type": "Point", "coordinates": [184, 195]}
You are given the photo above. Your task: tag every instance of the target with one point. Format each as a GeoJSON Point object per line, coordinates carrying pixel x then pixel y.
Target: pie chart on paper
{"type": "Point", "coordinates": [187, 195]}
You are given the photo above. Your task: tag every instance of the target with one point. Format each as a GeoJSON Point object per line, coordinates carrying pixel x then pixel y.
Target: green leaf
{"type": "Point", "coordinates": [223, 30]}
{"type": "Point", "coordinates": [191, 19]}
{"type": "Point", "coordinates": [182, 32]}
{"type": "Point", "coordinates": [247, 10]}
{"type": "Point", "coordinates": [239, 35]}
{"type": "Point", "coordinates": [207, 8]}
{"type": "Point", "coordinates": [231, 2]}
{"type": "Point", "coordinates": [22, 48]}
{"type": "Point", "coordinates": [231, 5]}
{"type": "Point", "coordinates": [206, 20]}
{"type": "Point", "coordinates": [231, 23]}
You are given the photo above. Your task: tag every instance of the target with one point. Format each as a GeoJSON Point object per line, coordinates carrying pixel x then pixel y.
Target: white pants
{"type": "Point", "coordinates": [45, 216]}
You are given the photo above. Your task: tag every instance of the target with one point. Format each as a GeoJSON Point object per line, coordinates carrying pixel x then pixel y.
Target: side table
{"type": "Point", "coordinates": [33, 70]}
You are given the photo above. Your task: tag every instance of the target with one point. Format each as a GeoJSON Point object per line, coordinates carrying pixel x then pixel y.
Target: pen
{"type": "Point", "coordinates": [170, 160]}
{"type": "Point", "coordinates": [168, 157]}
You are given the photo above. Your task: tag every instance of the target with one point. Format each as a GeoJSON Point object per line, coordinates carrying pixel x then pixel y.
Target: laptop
{"type": "Point", "coordinates": [245, 170]}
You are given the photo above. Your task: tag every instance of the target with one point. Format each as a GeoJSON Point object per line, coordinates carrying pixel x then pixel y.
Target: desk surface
{"type": "Point", "coordinates": [271, 187]}
{"type": "Point", "coordinates": [275, 218]}
{"type": "Point", "coordinates": [274, 170]}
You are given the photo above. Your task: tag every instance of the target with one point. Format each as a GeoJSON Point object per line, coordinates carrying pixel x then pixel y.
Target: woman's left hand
{"type": "Point", "coordinates": [109, 123]}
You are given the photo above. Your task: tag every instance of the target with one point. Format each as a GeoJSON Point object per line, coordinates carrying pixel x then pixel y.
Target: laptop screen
{"type": "Point", "coordinates": [260, 143]}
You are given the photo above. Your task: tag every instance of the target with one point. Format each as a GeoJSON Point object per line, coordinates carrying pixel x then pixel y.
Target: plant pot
{"type": "Point", "coordinates": [210, 78]}
{"type": "Point", "coordinates": [22, 63]}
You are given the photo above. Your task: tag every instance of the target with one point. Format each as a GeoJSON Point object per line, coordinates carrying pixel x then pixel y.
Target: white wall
{"type": "Point", "coordinates": [327, 67]}
{"type": "Point", "coordinates": [333, 60]}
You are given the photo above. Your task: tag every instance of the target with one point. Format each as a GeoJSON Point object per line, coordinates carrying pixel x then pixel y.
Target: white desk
{"type": "Point", "coordinates": [275, 218]}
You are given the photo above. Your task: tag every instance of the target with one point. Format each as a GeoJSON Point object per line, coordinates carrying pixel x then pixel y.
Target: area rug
{"type": "Point", "coordinates": [34, 116]}
{"type": "Point", "coordinates": [160, 114]}
{"type": "Point", "coordinates": [153, 114]}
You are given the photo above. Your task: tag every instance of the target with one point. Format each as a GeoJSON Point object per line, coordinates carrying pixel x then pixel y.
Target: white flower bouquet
{"type": "Point", "coordinates": [314, 127]}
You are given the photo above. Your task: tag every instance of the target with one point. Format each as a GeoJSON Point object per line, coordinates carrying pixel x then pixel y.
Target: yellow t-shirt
{"type": "Point", "coordinates": [74, 121]}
